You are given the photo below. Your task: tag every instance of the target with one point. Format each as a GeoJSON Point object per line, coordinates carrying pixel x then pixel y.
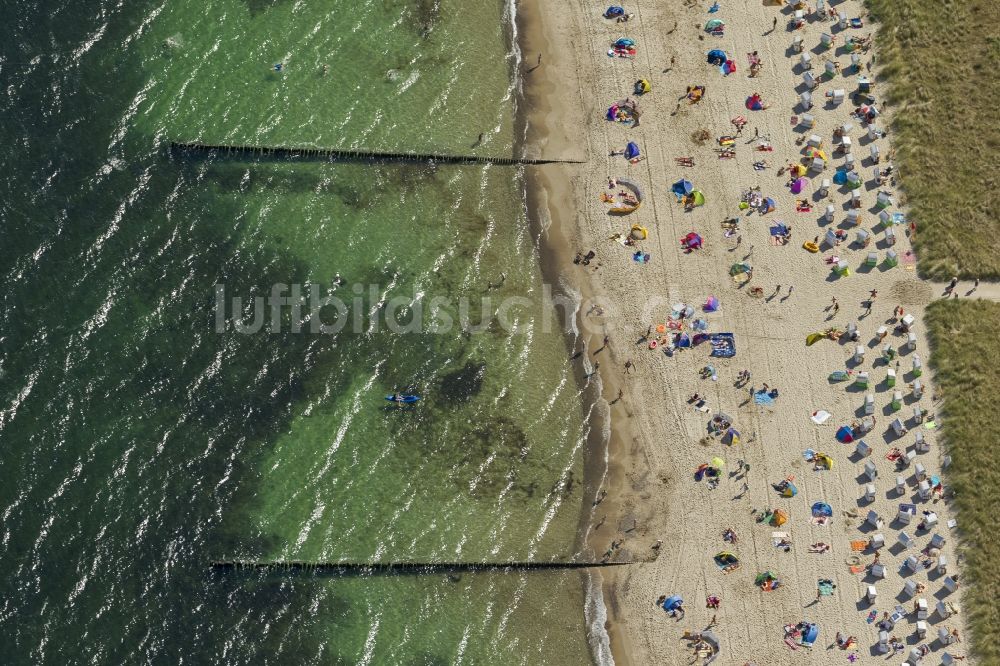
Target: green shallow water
{"type": "Point", "coordinates": [142, 441]}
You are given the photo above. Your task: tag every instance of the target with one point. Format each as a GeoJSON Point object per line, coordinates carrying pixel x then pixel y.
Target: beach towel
{"type": "Point", "coordinates": [859, 545]}
{"type": "Point", "coordinates": [826, 587]}
{"type": "Point", "coordinates": [871, 616]}
{"type": "Point", "coordinates": [855, 568]}
{"type": "Point", "coordinates": [779, 229]}
{"type": "Point", "coordinates": [762, 398]}
{"type": "Point", "coordinates": [894, 454]}
{"type": "Point", "coordinates": [820, 417]}
{"type": "Point", "coordinates": [820, 520]}
{"type": "Point", "coordinates": [723, 345]}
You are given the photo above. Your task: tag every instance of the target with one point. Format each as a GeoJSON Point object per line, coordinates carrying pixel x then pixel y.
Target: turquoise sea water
{"type": "Point", "coordinates": [141, 441]}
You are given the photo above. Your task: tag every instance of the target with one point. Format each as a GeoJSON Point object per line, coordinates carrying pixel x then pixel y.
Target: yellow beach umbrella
{"type": "Point", "coordinates": [718, 463]}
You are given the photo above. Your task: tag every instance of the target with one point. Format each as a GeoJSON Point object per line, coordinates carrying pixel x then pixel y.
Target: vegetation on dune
{"type": "Point", "coordinates": [938, 61]}
{"type": "Point", "coordinates": [964, 354]}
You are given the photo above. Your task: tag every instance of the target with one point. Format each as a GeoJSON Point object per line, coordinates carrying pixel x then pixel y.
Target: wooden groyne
{"type": "Point", "coordinates": [406, 568]}
{"type": "Point", "coordinates": [357, 156]}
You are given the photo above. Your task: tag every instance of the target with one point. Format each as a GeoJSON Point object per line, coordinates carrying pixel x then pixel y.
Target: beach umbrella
{"type": "Point", "coordinates": [614, 12]}
{"type": "Point", "coordinates": [715, 24]}
{"type": "Point", "coordinates": [718, 463]}
{"type": "Point", "coordinates": [717, 57]}
{"type": "Point", "coordinates": [810, 634]}
{"type": "Point", "coordinates": [624, 43]}
{"type": "Point", "coordinates": [822, 509]}
{"type": "Point", "coordinates": [840, 177]}
{"type": "Point", "coordinates": [682, 187]}
{"type": "Point", "coordinates": [697, 198]}
{"type": "Point", "coordinates": [631, 150]}
{"type": "Point", "coordinates": [816, 152]}
{"type": "Point", "coordinates": [754, 102]}
{"type": "Point", "coordinates": [799, 184]}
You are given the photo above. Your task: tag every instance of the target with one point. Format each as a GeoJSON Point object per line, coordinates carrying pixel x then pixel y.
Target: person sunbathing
{"type": "Point", "coordinates": [819, 547]}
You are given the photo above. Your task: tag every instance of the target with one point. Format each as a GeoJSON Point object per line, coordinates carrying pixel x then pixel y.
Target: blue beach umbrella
{"type": "Point", "coordinates": [631, 150]}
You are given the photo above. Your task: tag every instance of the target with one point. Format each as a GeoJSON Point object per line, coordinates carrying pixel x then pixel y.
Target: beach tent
{"type": "Point", "coordinates": [636, 190]}
{"type": "Point", "coordinates": [715, 25]}
{"type": "Point", "coordinates": [754, 102]}
{"type": "Point", "coordinates": [682, 188]}
{"type": "Point", "coordinates": [767, 581]}
{"type": "Point", "coordinates": [614, 12]}
{"type": "Point", "coordinates": [683, 340]}
{"type": "Point", "coordinates": [787, 489]}
{"type": "Point", "coordinates": [624, 43]}
{"type": "Point", "coordinates": [641, 87]}
{"type": "Point", "coordinates": [691, 242]}
{"type": "Point", "coordinates": [726, 560]}
{"type": "Point", "coordinates": [799, 184]}
{"type": "Point", "coordinates": [639, 233]}
{"type": "Point", "coordinates": [696, 198]}
{"type": "Point", "coordinates": [823, 460]}
{"type": "Point", "coordinates": [822, 509]}
{"type": "Point", "coordinates": [711, 305]}
{"type": "Point", "coordinates": [845, 435]}
{"type": "Point", "coordinates": [718, 463]}
{"type": "Point", "coordinates": [741, 273]}
{"type": "Point", "coordinates": [673, 603]}
{"type": "Point", "coordinates": [732, 437]}
{"type": "Point", "coordinates": [779, 518]}
{"type": "Point", "coordinates": [767, 206]}
{"type": "Point", "coordinates": [809, 635]}
{"type": "Point", "coordinates": [631, 150]}
{"type": "Point", "coordinates": [717, 57]}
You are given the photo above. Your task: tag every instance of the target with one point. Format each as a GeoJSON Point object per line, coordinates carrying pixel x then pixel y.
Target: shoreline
{"type": "Point", "coordinates": [541, 122]}
{"type": "Point", "coordinates": [641, 464]}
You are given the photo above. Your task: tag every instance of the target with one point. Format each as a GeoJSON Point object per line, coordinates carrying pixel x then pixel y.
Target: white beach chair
{"type": "Point", "coordinates": [922, 611]}
{"type": "Point", "coordinates": [871, 472]}
{"type": "Point", "coordinates": [942, 564]}
{"type": "Point", "coordinates": [806, 61]}
{"type": "Point", "coordinates": [874, 153]}
{"type": "Point", "coordinates": [942, 610]}
{"type": "Point", "coordinates": [921, 629]}
{"type": "Point", "coordinates": [873, 518]}
{"type": "Point", "coordinates": [910, 588]}
{"type": "Point", "coordinates": [872, 594]}
{"type": "Point", "coordinates": [924, 489]}
{"type": "Point", "coordinates": [904, 516]}
{"type": "Point", "coordinates": [869, 492]}
{"type": "Point", "coordinates": [905, 540]}
{"type": "Point", "coordinates": [937, 541]}
{"type": "Point", "coordinates": [950, 584]}
{"type": "Point", "coordinates": [877, 542]}
{"type": "Point", "coordinates": [919, 472]}
{"type": "Point", "coordinates": [900, 485]}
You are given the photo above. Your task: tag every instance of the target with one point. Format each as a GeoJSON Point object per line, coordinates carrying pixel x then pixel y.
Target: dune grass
{"type": "Point", "coordinates": [938, 60]}
{"type": "Point", "coordinates": [966, 363]}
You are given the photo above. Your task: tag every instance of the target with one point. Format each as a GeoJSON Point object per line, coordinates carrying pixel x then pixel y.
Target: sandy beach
{"type": "Point", "coordinates": [659, 437]}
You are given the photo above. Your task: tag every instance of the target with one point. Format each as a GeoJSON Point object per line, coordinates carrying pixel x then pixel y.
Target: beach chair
{"type": "Point", "coordinates": [797, 45]}
{"type": "Point", "coordinates": [907, 322]}
{"type": "Point", "coordinates": [874, 520]}
{"type": "Point", "coordinates": [924, 490]}
{"type": "Point", "coordinates": [890, 236]}
{"type": "Point", "coordinates": [917, 367]}
{"type": "Point", "coordinates": [872, 260]}
{"type": "Point", "coordinates": [853, 183]}
{"type": "Point", "coordinates": [947, 659]}
{"type": "Point", "coordinates": [837, 96]}
{"type": "Point", "coordinates": [950, 583]}
{"type": "Point", "coordinates": [806, 101]}
{"type": "Point", "coordinates": [942, 565]}
{"type": "Point", "coordinates": [937, 541]}
{"type": "Point", "coordinates": [815, 141]}
{"type": "Point", "coordinates": [872, 594]}
{"type": "Point", "coordinates": [904, 516]}
{"type": "Point", "coordinates": [905, 540]}
{"type": "Point", "coordinates": [883, 200]}
{"type": "Point", "coordinates": [805, 119]}
{"type": "Point", "coordinates": [874, 153]}
{"type": "Point", "coordinates": [817, 164]}
{"type": "Point", "coordinates": [900, 485]}
{"type": "Point", "coordinates": [897, 401]}
{"type": "Point", "coordinates": [842, 20]}
{"type": "Point", "coordinates": [944, 636]}
{"type": "Point", "coordinates": [909, 457]}
{"type": "Point", "coordinates": [856, 62]}
{"type": "Point", "coordinates": [853, 218]}
{"type": "Point", "coordinates": [863, 237]}
{"type": "Point", "coordinates": [921, 629]}
{"type": "Point", "coordinates": [878, 571]}
{"type": "Point", "coordinates": [862, 449]}
{"type": "Point", "coordinates": [859, 357]}
{"type": "Point", "coordinates": [884, 217]}
{"type": "Point", "coordinates": [828, 216]}
{"type": "Point", "coordinates": [805, 60]}
{"type": "Point", "coordinates": [920, 472]}
{"type": "Point", "coordinates": [918, 415]}
{"type": "Point", "coordinates": [824, 188]}
{"type": "Point", "coordinates": [918, 389]}
{"type": "Point", "coordinates": [911, 337]}
{"type": "Point", "coordinates": [877, 542]}
{"type": "Point", "coordinates": [892, 260]}
{"type": "Point", "coordinates": [898, 427]}
{"type": "Point", "coordinates": [921, 445]}
{"type": "Point", "coordinates": [869, 492]}
{"type": "Point", "coordinates": [883, 642]}
{"type": "Point", "coordinates": [890, 377]}
{"type": "Point", "coordinates": [910, 588]}
{"type": "Point", "coordinates": [930, 520]}
{"type": "Point", "coordinates": [874, 133]}
{"type": "Point", "coordinates": [922, 611]}
{"type": "Point", "coordinates": [830, 69]}
{"type": "Point", "coordinates": [826, 40]}
{"type": "Point", "coordinates": [849, 163]}
{"type": "Point", "coordinates": [869, 409]}
{"type": "Point", "coordinates": [876, 174]}
{"type": "Point", "coordinates": [871, 472]}
{"type": "Point", "coordinates": [809, 80]}
{"type": "Point", "coordinates": [842, 268]}
{"type": "Point", "coordinates": [942, 610]}
{"type": "Point", "coordinates": [846, 144]}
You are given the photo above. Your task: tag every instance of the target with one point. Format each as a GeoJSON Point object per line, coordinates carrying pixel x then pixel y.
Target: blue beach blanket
{"type": "Point", "coordinates": [723, 344]}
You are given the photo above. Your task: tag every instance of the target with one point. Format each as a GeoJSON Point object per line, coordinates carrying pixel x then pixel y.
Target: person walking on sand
{"type": "Point", "coordinates": [774, 25]}
{"type": "Point", "coordinates": [628, 366]}
{"type": "Point", "coordinates": [975, 285]}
